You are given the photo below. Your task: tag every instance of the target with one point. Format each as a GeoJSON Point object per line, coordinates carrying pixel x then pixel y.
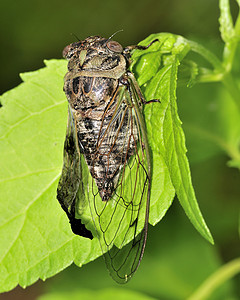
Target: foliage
{"type": "Point", "coordinates": [36, 240]}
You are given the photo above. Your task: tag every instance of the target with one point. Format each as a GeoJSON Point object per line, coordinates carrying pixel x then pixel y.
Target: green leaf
{"type": "Point", "coordinates": [175, 155]}
{"type": "Point", "coordinates": [103, 294]}
{"type": "Point", "coordinates": [167, 137]}
{"type": "Point", "coordinates": [36, 239]}
{"type": "Point", "coordinates": [225, 20]}
{"type": "Point", "coordinates": [166, 261]}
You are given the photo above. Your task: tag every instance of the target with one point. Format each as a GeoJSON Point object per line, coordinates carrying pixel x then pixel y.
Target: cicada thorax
{"type": "Point", "coordinates": [107, 139]}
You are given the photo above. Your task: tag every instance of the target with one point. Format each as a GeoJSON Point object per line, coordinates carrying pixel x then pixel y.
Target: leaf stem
{"type": "Point", "coordinates": [233, 89]}
{"type": "Point", "coordinates": [231, 47]}
{"type": "Point", "coordinates": [220, 72]}
{"type": "Point", "coordinates": [208, 55]}
{"type": "Point", "coordinates": [223, 274]}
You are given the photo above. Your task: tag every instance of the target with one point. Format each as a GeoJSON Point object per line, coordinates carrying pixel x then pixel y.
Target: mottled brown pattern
{"type": "Point", "coordinates": [95, 101]}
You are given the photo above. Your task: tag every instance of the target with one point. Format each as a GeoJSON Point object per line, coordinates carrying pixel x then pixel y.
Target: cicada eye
{"type": "Point", "coordinates": [114, 46]}
{"type": "Point", "coordinates": [66, 50]}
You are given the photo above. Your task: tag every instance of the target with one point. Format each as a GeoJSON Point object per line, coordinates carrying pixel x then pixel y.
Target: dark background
{"type": "Point", "coordinates": [31, 31]}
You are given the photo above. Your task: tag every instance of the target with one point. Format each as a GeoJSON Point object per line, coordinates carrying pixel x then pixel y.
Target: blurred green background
{"type": "Point", "coordinates": [31, 31]}
{"type": "Point", "coordinates": [177, 259]}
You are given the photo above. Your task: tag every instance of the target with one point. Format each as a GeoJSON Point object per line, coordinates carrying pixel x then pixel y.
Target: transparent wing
{"type": "Point", "coordinates": [121, 221]}
{"type": "Point", "coordinates": [70, 183]}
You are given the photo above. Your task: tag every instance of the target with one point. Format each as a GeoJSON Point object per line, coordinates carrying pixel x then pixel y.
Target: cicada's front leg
{"type": "Point", "coordinates": [137, 89]}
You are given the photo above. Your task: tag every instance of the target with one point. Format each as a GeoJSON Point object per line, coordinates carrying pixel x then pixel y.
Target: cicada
{"type": "Point", "coordinates": [106, 170]}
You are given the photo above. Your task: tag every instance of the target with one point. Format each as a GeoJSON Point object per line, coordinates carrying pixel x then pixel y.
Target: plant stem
{"type": "Point", "coordinates": [220, 72]}
{"type": "Point", "coordinates": [228, 58]}
{"type": "Point", "coordinates": [231, 47]}
{"type": "Point", "coordinates": [232, 88]}
{"type": "Point", "coordinates": [208, 55]}
{"type": "Point", "coordinates": [216, 279]}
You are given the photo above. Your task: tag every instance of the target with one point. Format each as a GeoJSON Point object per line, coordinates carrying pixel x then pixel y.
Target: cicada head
{"type": "Point", "coordinates": [97, 43]}
{"type": "Point", "coordinates": [96, 54]}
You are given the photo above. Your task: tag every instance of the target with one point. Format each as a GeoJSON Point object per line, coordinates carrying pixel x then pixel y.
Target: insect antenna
{"type": "Point", "coordinates": [76, 37]}
{"type": "Point", "coordinates": [114, 34]}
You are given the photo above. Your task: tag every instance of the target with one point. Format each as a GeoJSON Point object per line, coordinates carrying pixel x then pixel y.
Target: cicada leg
{"type": "Point", "coordinates": [139, 47]}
